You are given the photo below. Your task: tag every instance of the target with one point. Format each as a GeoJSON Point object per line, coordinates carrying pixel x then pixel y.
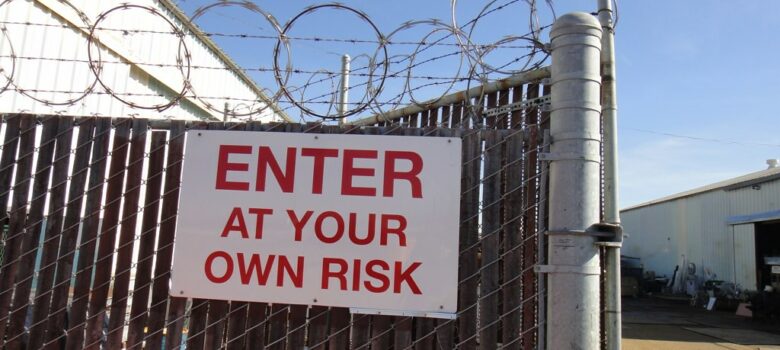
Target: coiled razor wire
{"type": "Point", "coordinates": [8, 75]}
{"type": "Point", "coordinates": [30, 92]}
{"type": "Point", "coordinates": [376, 66]}
{"type": "Point", "coordinates": [282, 78]}
{"type": "Point", "coordinates": [182, 59]}
{"type": "Point", "coordinates": [381, 49]}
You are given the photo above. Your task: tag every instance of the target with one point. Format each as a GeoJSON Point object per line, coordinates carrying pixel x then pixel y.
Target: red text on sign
{"type": "Point", "coordinates": [381, 275]}
{"type": "Point", "coordinates": [330, 226]}
{"type": "Point", "coordinates": [284, 172]}
{"type": "Point", "coordinates": [220, 267]}
{"type": "Point", "coordinates": [237, 223]}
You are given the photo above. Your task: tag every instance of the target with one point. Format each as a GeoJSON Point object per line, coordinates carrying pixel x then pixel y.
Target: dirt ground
{"type": "Point", "coordinates": [650, 323]}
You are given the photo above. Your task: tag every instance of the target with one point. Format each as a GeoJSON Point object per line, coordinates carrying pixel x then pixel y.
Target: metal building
{"type": "Point", "coordinates": [144, 59]}
{"type": "Point", "coordinates": [722, 231]}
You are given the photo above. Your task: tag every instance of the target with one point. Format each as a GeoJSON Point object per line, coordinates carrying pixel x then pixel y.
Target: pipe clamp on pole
{"type": "Point", "coordinates": [578, 104]}
{"type": "Point", "coordinates": [577, 135]}
{"type": "Point", "coordinates": [578, 75]}
{"type": "Point", "coordinates": [568, 269]}
{"type": "Point", "coordinates": [590, 157]}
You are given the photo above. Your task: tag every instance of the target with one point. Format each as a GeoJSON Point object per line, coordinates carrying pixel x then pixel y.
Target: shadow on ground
{"type": "Point", "coordinates": [650, 323]}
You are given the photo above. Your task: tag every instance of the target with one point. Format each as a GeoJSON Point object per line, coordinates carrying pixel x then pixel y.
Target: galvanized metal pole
{"type": "Point", "coordinates": [613, 319]}
{"type": "Point", "coordinates": [225, 112]}
{"type": "Point", "coordinates": [573, 270]}
{"type": "Point", "coordinates": [344, 93]}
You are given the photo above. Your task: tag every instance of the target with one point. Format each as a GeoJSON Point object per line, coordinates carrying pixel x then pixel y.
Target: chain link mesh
{"type": "Point", "coordinates": [86, 257]}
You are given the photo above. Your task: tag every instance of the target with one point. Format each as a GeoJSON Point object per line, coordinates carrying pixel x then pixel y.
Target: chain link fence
{"type": "Point", "coordinates": [92, 216]}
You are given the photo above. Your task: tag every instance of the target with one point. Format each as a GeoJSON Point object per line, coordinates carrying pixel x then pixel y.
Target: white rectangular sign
{"type": "Point", "coordinates": [360, 221]}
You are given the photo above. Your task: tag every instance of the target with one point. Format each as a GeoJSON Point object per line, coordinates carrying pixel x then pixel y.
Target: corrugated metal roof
{"type": "Point", "coordinates": [730, 184]}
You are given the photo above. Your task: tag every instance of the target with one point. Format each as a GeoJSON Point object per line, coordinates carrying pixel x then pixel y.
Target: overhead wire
{"type": "Point", "coordinates": [705, 139]}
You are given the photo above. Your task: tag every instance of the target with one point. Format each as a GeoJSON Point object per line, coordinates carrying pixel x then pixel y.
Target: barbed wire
{"type": "Point", "coordinates": [250, 36]}
{"type": "Point", "coordinates": [380, 67]}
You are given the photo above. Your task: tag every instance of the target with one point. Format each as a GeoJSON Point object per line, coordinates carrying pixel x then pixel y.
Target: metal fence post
{"type": "Point", "coordinates": [573, 270]}
{"type": "Point", "coordinates": [613, 320]}
{"type": "Point", "coordinates": [344, 89]}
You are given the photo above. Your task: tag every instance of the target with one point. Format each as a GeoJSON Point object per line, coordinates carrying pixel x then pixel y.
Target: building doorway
{"type": "Point", "coordinates": [767, 245]}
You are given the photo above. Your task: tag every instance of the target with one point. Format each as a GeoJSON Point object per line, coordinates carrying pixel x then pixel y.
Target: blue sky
{"type": "Point", "coordinates": [706, 69]}
{"type": "Point", "coordinates": [697, 80]}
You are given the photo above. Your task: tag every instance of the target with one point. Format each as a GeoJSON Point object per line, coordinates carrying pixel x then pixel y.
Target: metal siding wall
{"type": "Point", "coordinates": [745, 201]}
{"type": "Point", "coordinates": [698, 232]}
{"type": "Point", "coordinates": [745, 255]}
{"type": "Point", "coordinates": [691, 223]}
{"type": "Point", "coordinates": [677, 211]}
{"type": "Point", "coordinates": [70, 44]}
{"type": "Point", "coordinates": [631, 246]}
{"type": "Point", "coordinates": [652, 239]}
{"type": "Point", "coordinates": [718, 255]}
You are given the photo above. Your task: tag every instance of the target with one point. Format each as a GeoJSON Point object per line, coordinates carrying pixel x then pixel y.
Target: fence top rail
{"type": "Point", "coordinates": [456, 97]}
{"type": "Point", "coordinates": [165, 124]}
